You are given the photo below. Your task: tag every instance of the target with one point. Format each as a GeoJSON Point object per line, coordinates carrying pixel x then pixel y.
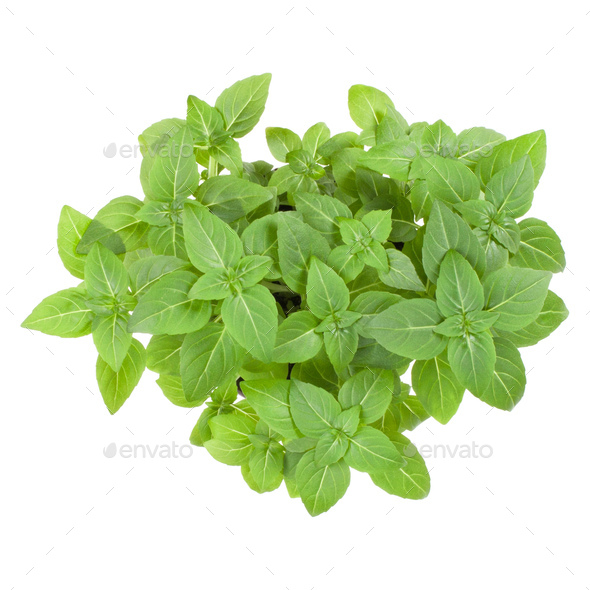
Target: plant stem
{"type": "Point", "coordinates": [212, 170]}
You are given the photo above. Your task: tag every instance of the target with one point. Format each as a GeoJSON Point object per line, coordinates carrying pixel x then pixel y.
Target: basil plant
{"type": "Point", "coordinates": [321, 308]}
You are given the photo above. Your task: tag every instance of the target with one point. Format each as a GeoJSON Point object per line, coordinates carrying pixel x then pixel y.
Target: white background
{"type": "Point", "coordinates": [77, 77]}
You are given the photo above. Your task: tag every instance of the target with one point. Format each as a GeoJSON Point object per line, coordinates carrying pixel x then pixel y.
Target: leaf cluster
{"type": "Point", "coordinates": [291, 300]}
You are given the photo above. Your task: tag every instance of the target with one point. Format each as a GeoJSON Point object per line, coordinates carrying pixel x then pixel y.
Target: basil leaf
{"type": "Point", "coordinates": [171, 386]}
{"type": "Point", "coordinates": [71, 227]}
{"type": "Point", "coordinates": [64, 314]}
{"type": "Point", "coordinates": [143, 273]}
{"type": "Point", "coordinates": [511, 189]}
{"type": "Point", "coordinates": [437, 387]}
{"type": "Point", "coordinates": [174, 175]}
{"type": "Point", "coordinates": [168, 241]}
{"type": "Point", "coordinates": [533, 144]}
{"type": "Point", "coordinates": [297, 243]}
{"type": "Point", "coordinates": [116, 386]}
{"type": "Point", "coordinates": [477, 143]}
{"type": "Point", "coordinates": [371, 451]}
{"type": "Point", "coordinates": [163, 354]}
{"type": "Point", "coordinates": [401, 273]}
{"type": "Point", "coordinates": [331, 448]}
{"type": "Point", "coordinates": [104, 274]}
{"type": "Point", "coordinates": [412, 481]}
{"type": "Point", "coordinates": [205, 122]}
{"type": "Point", "coordinates": [270, 400]}
{"type": "Point", "coordinates": [509, 378]}
{"type": "Point", "coordinates": [326, 291]}
{"type": "Point", "coordinates": [230, 198]}
{"type": "Point", "coordinates": [167, 309]}
{"type": "Point", "coordinates": [372, 390]}
{"type": "Point", "coordinates": [229, 155]}
{"type": "Point", "coordinates": [472, 359]}
{"type": "Point", "coordinates": [266, 467]}
{"type": "Point", "coordinates": [321, 487]}
{"type": "Point", "coordinates": [393, 158]}
{"type": "Point", "coordinates": [320, 212]}
{"type": "Point", "coordinates": [116, 227]}
{"type": "Point", "coordinates": [252, 320]}
{"type": "Point", "coordinates": [447, 231]}
{"type": "Point", "coordinates": [314, 410]}
{"type": "Point", "coordinates": [207, 356]}
{"type": "Point", "coordinates": [407, 329]}
{"type": "Point", "coordinates": [230, 443]}
{"type": "Point", "coordinates": [341, 345]}
{"type": "Point", "coordinates": [112, 339]}
{"type": "Point", "coordinates": [458, 289]}
{"type": "Point", "coordinates": [242, 104]}
{"type": "Point", "coordinates": [315, 137]}
{"type": "Point", "coordinates": [281, 141]}
{"type": "Point", "coordinates": [517, 294]}
{"type": "Point", "coordinates": [297, 340]}
{"type": "Point", "coordinates": [507, 233]}
{"type": "Point", "coordinates": [367, 105]}
{"type": "Point", "coordinates": [319, 371]}
{"type": "Point", "coordinates": [439, 138]}
{"type": "Point", "coordinates": [540, 247]}
{"type": "Point", "coordinates": [210, 242]}
{"type": "Point", "coordinates": [260, 238]}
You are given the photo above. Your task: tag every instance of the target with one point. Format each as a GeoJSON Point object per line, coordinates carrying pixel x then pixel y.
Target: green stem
{"type": "Point", "coordinates": [212, 170]}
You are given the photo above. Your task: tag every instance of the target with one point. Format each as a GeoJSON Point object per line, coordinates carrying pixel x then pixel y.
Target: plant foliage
{"type": "Point", "coordinates": [310, 289]}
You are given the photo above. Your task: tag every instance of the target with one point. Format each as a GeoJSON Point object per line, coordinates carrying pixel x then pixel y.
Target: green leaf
{"type": "Point", "coordinates": [230, 197]}
{"type": "Point", "coordinates": [407, 329]}
{"type": "Point", "coordinates": [171, 386]}
{"type": "Point", "coordinates": [372, 452]}
{"type": "Point", "coordinates": [477, 212]}
{"type": "Point", "coordinates": [412, 481]}
{"type": "Point", "coordinates": [320, 212]}
{"type": "Point", "coordinates": [509, 379]}
{"type": "Point", "coordinates": [511, 189]}
{"type": "Point", "coordinates": [163, 354]}
{"type": "Point", "coordinates": [230, 443]}
{"type": "Point", "coordinates": [458, 289]}
{"type": "Point", "coordinates": [321, 487]}
{"type": "Point", "coordinates": [207, 356]}
{"type": "Point", "coordinates": [378, 222]}
{"type": "Point", "coordinates": [477, 143]}
{"type": "Point", "coordinates": [341, 345]}
{"type": "Point", "coordinates": [252, 319]}
{"type": "Point", "coordinates": [346, 263]}
{"type": "Point", "coordinates": [553, 313]}
{"type": "Point", "coordinates": [371, 389]}
{"type": "Point", "coordinates": [319, 371]}
{"type": "Point", "coordinates": [168, 241]}
{"type": "Point", "coordinates": [439, 138]}
{"type": "Point", "coordinates": [437, 387]}
{"type": "Point", "coordinates": [111, 338]}
{"type": "Point", "coordinates": [70, 229]}
{"type": "Point", "coordinates": [331, 447]}
{"type": "Point", "coordinates": [367, 105]}
{"type": "Point", "coordinates": [104, 274]}
{"type": "Point", "coordinates": [315, 137]}
{"type": "Point", "coordinates": [270, 400]}
{"type": "Point", "coordinates": [260, 238]}
{"type": "Point", "coordinates": [370, 304]}
{"type": "Point", "coordinates": [448, 180]}
{"type": "Point", "coordinates": [472, 358]}
{"type": "Point", "coordinates": [344, 164]}
{"type": "Point", "coordinates": [64, 314]}
{"type": "Point", "coordinates": [507, 232]}
{"type": "Point", "coordinates": [174, 175]}
{"type": "Point", "coordinates": [297, 340]}
{"type": "Point", "coordinates": [392, 158]}
{"type": "Point", "coordinates": [143, 273]}
{"type": "Point", "coordinates": [204, 121]}
{"type": "Point", "coordinates": [314, 410]}
{"type": "Point", "coordinates": [447, 231]}
{"type": "Point", "coordinates": [533, 144]}
{"type": "Point", "coordinates": [167, 309]}
{"type": "Point", "coordinates": [281, 141]}
{"type": "Point", "coordinates": [348, 421]}
{"type": "Point", "coordinates": [392, 126]}
{"type": "Point", "coordinates": [517, 294]}
{"type": "Point", "coordinates": [229, 155]}
{"type": "Point", "coordinates": [242, 104]}
{"type": "Point", "coordinates": [210, 242]}
{"type": "Point", "coordinates": [266, 467]}
{"type": "Point", "coordinates": [479, 321]}
{"type": "Point", "coordinates": [327, 293]}
{"type": "Point", "coordinates": [156, 213]}
{"type": "Point", "coordinates": [116, 227]}
{"type": "Point", "coordinates": [297, 243]}
{"type": "Point", "coordinates": [250, 270]}
{"type": "Point", "coordinates": [540, 247]}
{"type": "Point", "coordinates": [286, 180]}
{"type": "Point", "coordinates": [452, 327]}
{"type": "Point", "coordinates": [116, 386]}
{"type": "Point", "coordinates": [401, 273]}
